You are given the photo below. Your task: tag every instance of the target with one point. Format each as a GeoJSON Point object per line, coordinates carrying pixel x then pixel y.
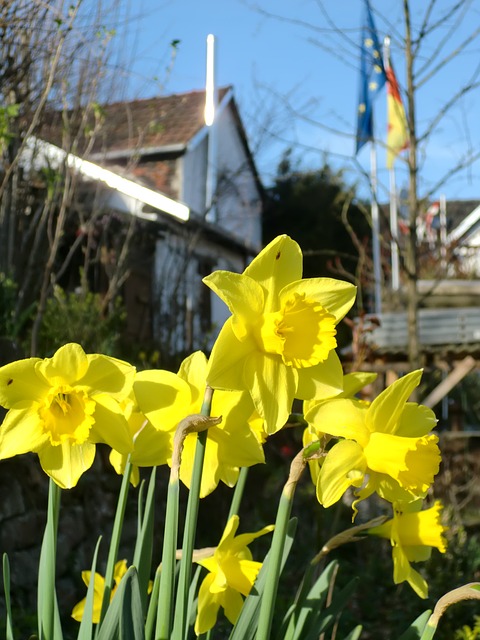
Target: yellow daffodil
{"type": "Point", "coordinates": [384, 445]}
{"type": "Point", "coordinates": [151, 447]}
{"type": "Point", "coordinates": [60, 407]}
{"type": "Point", "coordinates": [279, 343]}
{"type": "Point", "coordinates": [413, 534]}
{"type": "Point", "coordinates": [352, 383]}
{"type": "Point", "coordinates": [232, 573]}
{"type": "Point", "coordinates": [230, 445]}
{"type": "Point", "coordinates": [98, 590]}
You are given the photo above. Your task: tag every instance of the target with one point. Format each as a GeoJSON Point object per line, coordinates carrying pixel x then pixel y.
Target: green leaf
{"type": "Point", "coordinates": [124, 617]}
{"type": "Point", "coordinates": [355, 633]}
{"type": "Point", "coordinates": [49, 625]}
{"type": "Point", "coordinates": [246, 625]}
{"type": "Point", "coordinates": [115, 540]}
{"type": "Point", "coordinates": [320, 621]}
{"type": "Point", "coordinates": [152, 607]}
{"type": "Point", "coordinates": [313, 600]}
{"type": "Point", "coordinates": [415, 630]}
{"type": "Point", "coordinates": [8, 606]}
{"type": "Point", "coordinates": [86, 625]}
{"type": "Point", "coordinates": [142, 557]}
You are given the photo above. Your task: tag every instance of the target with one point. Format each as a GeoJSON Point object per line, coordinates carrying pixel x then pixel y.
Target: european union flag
{"type": "Point", "coordinates": [372, 78]}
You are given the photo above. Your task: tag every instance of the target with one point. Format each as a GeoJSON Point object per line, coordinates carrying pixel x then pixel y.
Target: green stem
{"type": "Point", "coordinates": [115, 540]}
{"type": "Point", "coordinates": [184, 578]}
{"type": "Point", "coordinates": [167, 574]}
{"type": "Point", "coordinates": [238, 493]}
{"type": "Point", "coordinates": [267, 607]}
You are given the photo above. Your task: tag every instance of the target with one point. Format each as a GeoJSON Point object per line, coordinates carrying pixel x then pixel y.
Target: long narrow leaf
{"type": "Point", "coordinates": [152, 607]}
{"type": "Point", "coordinates": [86, 625]}
{"type": "Point", "coordinates": [191, 609]}
{"type": "Point", "coordinates": [246, 625]}
{"type": "Point", "coordinates": [142, 557]}
{"type": "Point", "coordinates": [8, 606]}
{"type": "Point", "coordinates": [415, 630]}
{"type": "Point", "coordinates": [124, 617]}
{"type": "Point", "coordinates": [115, 540]}
{"type": "Point", "coordinates": [354, 633]}
{"type": "Point", "coordinates": [167, 575]}
{"type": "Point", "coordinates": [321, 620]}
{"type": "Point", "coordinates": [48, 616]}
{"type": "Point", "coordinates": [313, 599]}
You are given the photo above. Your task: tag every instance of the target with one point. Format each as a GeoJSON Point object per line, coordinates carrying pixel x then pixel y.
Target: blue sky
{"type": "Point", "coordinates": [295, 76]}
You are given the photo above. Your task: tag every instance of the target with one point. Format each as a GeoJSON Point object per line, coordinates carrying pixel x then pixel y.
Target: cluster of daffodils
{"type": "Point", "coordinates": [278, 346]}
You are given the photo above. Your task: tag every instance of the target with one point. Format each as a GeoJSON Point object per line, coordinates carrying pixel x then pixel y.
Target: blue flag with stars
{"type": "Point", "coordinates": [372, 78]}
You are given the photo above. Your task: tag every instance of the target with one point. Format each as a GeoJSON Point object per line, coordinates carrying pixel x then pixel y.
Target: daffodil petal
{"type": "Point", "coordinates": [415, 421]}
{"type": "Point", "coordinates": [275, 267]}
{"type": "Point", "coordinates": [163, 397]}
{"type": "Point", "coordinates": [242, 574]}
{"type": "Point", "coordinates": [108, 375]}
{"type": "Point", "coordinates": [238, 447]}
{"type": "Point", "coordinates": [323, 380]}
{"type": "Point", "coordinates": [66, 462]}
{"type": "Point", "coordinates": [20, 432]}
{"type": "Point", "coordinates": [244, 539]}
{"type": "Point", "coordinates": [19, 382]}
{"type": "Point", "coordinates": [152, 447]}
{"type": "Point", "coordinates": [232, 603]}
{"type": "Point", "coordinates": [229, 532]}
{"type": "Point", "coordinates": [355, 381]}
{"type": "Point", "coordinates": [272, 386]}
{"type": "Point", "coordinates": [208, 607]}
{"type": "Point", "coordinates": [194, 371]}
{"type": "Point", "coordinates": [68, 365]}
{"type": "Point", "coordinates": [227, 360]}
{"type": "Point", "coordinates": [110, 426]}
{"type": "Point", "coordinates": [344, 418]}
{"type": "Point", "coordinates": [385, 411]}
{"type": "Point", "coordinates": [209, 480]}
{"type": "Point", "coordinates": [243, 296]}
{"type": "Point", "coordinates": [335, 296]}
{"type": "Point", "coordinates": [403, 571]}
{"type": "Point", "coordinates": [344, 467]}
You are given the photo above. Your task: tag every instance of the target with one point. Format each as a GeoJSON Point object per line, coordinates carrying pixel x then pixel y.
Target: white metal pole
{"type": "Point", "coordinates": [395, 283]}
{"type": "Point", "coordinates": [394, 233]}
{"type": "Point", "coordinates": [211, 99]}
{"type": "Point", "coordinates": [375, 231]}
{"type": "Point", "coordinates": [443, 232]}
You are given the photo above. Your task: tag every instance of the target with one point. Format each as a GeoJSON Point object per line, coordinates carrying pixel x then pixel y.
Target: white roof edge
{"type": "Point", "coordinates": [464, 226]}
{"type": "Point", "coordinates": [37, 148]}
{"type": "Point", "coordinates": [140, 151]}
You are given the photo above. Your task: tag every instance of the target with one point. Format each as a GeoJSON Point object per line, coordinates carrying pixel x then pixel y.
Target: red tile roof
{"type": "Point", "coordinates": [153, 122]}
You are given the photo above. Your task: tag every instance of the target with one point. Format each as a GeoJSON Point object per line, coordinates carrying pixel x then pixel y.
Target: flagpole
{"type": "Point", "coordinates": [394, 233]}
{"type": "Point", "coordinates": [394, 258]}
{"type": "Point", "coordinates": [375, 231]}
{"type": "Point", "coordinates": [443, 233]}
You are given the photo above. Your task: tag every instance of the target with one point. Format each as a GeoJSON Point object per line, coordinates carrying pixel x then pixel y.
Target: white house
{"type": "Point", "coordinates": [198, 191]}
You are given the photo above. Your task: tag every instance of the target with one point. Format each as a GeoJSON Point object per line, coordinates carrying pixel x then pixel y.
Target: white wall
{"type": "Point", "coordinates": [238, 204]}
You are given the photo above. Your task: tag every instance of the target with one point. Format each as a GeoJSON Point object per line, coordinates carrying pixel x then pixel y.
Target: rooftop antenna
{"type": "Point", "coordinates": [211, 101]}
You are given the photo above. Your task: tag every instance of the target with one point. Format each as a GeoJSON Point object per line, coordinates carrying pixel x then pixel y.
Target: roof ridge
{"type": "Point", "coordinates": [224, 88]}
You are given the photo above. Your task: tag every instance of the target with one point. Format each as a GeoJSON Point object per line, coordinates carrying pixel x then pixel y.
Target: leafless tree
{"type": "Point", "coordinates": [56, 67]}
{"type": "Point", "coordinates": [431, 39]}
